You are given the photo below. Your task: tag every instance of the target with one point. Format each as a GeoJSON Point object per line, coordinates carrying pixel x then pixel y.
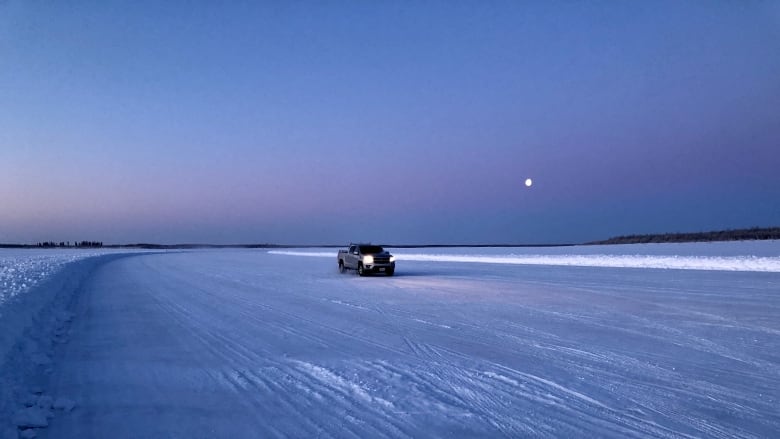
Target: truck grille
{"type": "Point", "coordinates": [381, 260]}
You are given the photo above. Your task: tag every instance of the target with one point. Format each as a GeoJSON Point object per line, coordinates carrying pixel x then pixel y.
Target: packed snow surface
{"type": "Point", "coordinates": [246, 343]}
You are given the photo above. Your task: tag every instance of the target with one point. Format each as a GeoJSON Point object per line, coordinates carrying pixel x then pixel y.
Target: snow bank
{"type": "Point", "coordinates": [21, 270]}
{"type": "Point", "coordinates": [29, 282]}
{"type": "Point", "coordinates": [636, 261]}
{"type": "Point", "coordinates": [660, 261]}
{"type": "Point", "coordinates": [36, 288]}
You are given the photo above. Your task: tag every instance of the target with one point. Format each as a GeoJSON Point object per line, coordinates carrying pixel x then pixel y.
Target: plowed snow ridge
{"type": "Point", "coordinates": [711, 263]}
{"type": "Point", "coordinates": [22, 270]}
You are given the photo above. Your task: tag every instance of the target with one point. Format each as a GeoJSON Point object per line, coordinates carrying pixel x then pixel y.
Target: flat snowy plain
{"type": "Point", "coordinates": [669, 341]}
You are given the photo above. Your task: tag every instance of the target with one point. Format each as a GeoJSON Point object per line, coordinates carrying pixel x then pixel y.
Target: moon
{"type": "Point", "coordinates": [528, 182]}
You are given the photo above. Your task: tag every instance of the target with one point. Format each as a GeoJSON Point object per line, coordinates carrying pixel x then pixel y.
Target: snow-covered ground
{"type": "Point", "coordinates": [22, 269]}
{"type": "Point", "coordinates": [247, 343]}
{"type": "Point", "coordinates": [724, 256]}
{"type": "Point", "coordinates": [36, 287]}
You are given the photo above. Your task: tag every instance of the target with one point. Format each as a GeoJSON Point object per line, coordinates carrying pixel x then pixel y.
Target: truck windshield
{"type": "Point", "coordinates": [370, 249]}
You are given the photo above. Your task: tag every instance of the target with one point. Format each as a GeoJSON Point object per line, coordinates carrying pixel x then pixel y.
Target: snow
{"type": "Point", "coordinates": [63, 404]}
{"type": "Point", "coordinates": [35, 288]}
{"type": "Point", "coordinates": [20, 270]}
{"type": "Point", "coordinates": [31, 417]}
{"type": "Point", "coordinates": [247, 343]}
{"type": "Point", "coordinates": [660, 256]}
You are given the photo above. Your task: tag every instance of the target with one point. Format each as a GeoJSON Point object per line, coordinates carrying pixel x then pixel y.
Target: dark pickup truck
{"type": "Point", "coordinates": [366, 258]}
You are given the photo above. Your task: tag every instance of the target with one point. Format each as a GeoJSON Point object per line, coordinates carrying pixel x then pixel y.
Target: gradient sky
{"type": "Point", "coordinates": [396, 122]}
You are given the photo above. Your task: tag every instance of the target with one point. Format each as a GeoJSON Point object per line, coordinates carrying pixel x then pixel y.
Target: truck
{"type": "Point", "coordinates": [366, 258]}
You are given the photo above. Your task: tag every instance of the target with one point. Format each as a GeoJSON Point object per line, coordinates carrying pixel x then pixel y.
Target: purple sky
{"type": "Point", "coordinates": [402, 122]}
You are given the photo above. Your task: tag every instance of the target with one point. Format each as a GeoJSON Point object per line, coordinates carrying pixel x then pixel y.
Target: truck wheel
{"type": "Point", "coordinates": [341, 266]}
{"type": "Point", "coordinates": [361, 272]}
{"type": "Point", "coordinates": [390, 271]}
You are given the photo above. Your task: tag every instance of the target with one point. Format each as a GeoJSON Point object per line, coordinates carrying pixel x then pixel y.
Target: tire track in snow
{"type": "Point", "coordinates": [235, 357]}
{"type": "Point", "coordinates": [447, 393]}
{"type": "Point", "coordinates": [333, 386]}
{"type": "Point", "coordinates": [417, 350]}
{"type": "Point", "coordinates": [320, 355]}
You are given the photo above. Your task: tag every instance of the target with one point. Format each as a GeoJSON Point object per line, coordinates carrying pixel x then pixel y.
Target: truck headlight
{"type": "Point", "coordinates": [368, 260]}
{"type": "Point", "coordinates": [392, 258]}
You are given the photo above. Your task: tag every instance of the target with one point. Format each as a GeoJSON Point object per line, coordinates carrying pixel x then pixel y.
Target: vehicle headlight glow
{"type": "Point", "coordinates": [368, 259]}
{"type": "Point", "coordinates": [392, 258]}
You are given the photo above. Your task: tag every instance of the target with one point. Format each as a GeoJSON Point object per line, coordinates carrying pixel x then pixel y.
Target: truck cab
{"type": "Point", "coordinates": [366, 259]}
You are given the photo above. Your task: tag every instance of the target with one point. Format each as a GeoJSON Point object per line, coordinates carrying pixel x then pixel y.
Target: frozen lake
{"type": "Point", "coordinates": [247, 343]}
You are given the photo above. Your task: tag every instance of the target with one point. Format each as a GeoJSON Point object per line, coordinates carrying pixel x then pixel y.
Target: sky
{"type": "Point", "coordinates": [400, 122]}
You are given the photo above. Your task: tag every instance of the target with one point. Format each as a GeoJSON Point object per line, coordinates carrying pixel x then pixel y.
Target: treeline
{"type": "Point", "coordinates": [149, 246]}
{"type": "Point", "coordinates": [752, 234]}
{"type": "Point", "coordinates": [78, 244]}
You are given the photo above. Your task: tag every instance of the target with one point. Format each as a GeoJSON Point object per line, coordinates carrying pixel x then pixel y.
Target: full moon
{"type": "Point", "coordinates": [528, 182]}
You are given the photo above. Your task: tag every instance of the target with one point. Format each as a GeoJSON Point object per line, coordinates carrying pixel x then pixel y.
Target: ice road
{"type": "Point", "coordinates": [250, 344]}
